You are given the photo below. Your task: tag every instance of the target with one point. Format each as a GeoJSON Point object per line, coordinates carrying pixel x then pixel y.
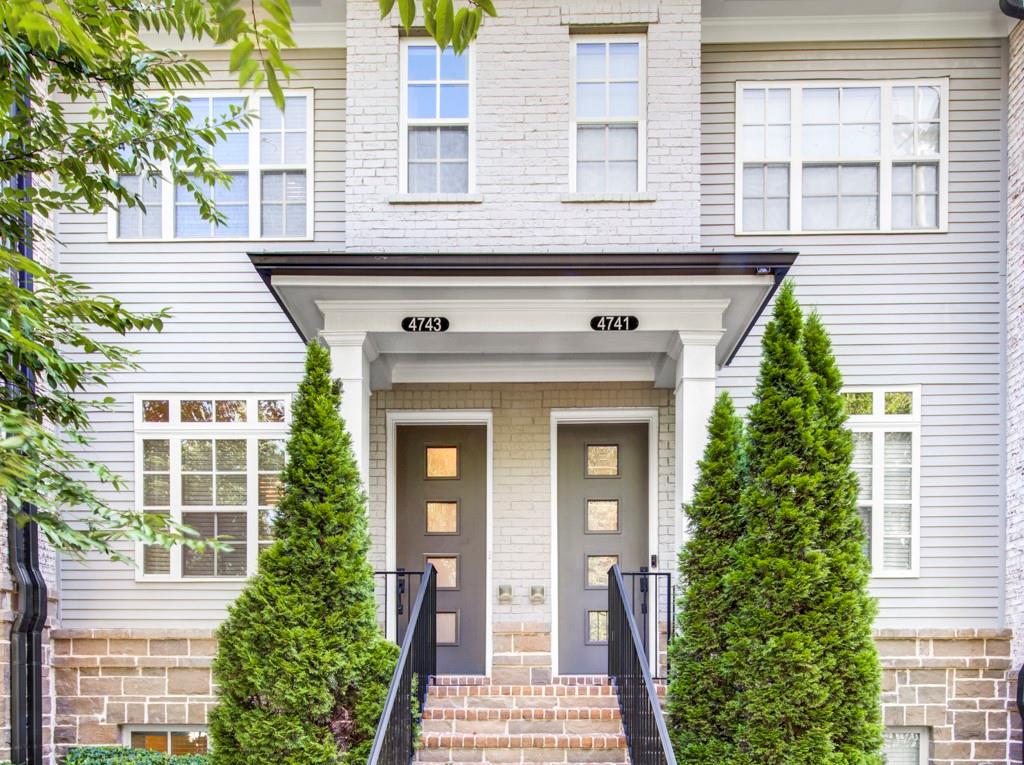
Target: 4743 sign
{"type": "Point", "coordinates": [425, 324]}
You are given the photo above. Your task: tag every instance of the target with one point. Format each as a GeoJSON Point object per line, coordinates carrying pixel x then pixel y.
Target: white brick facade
{"type": "Point", "coordinates": [522, 136]}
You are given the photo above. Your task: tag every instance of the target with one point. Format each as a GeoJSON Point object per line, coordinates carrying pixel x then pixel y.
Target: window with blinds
{"type": "Point", "coordinates": [905, 746]}
{"type": "Point", "coordinates": [886, 435]}
{"type": "Point", "coordinates": [214, 464]}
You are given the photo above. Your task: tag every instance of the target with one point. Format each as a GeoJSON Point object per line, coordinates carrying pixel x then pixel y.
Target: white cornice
{"type": "Point", "coordinates": [894, 26]}
{"type": "Point", "coordinates": [306, 34]}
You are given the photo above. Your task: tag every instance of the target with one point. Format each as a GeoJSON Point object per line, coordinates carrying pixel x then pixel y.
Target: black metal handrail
{"type": "Point", "coordinates": [646, 733]}
{"type": "Point", "coordinates": [395, 742]}
{"type": "Point", "coordinates": [653, 589]}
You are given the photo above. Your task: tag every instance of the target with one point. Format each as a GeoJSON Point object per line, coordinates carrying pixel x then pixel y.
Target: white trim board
{"type": "Point", "coordinates": [394, 418]}
{"type": "Point", "coordinates": [648, 415]}
{"type": "Point", "coordinates": [860, 27]}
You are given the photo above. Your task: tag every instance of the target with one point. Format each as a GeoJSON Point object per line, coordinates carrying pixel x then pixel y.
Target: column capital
{"type": "Point", "coordinates": [343, 339]}
{"type": "Point", "coordinates": [682, 338]}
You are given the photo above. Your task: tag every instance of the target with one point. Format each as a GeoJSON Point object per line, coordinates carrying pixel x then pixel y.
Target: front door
{"type": "Point", "coordinates": [602, 520]}
{"type": "Point", "coordinates": [441, 507]}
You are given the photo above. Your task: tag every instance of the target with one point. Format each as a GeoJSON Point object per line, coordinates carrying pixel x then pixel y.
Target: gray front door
{"type": "Point", "coordinates": [602, 520]}
{"type": "Point", "coordinates": [441, 507]}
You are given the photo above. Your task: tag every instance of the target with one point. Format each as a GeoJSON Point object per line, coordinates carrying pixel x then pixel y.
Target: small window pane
{"type": "Point", "coordinates": [590, 100]}
{"type": "Point", "coordinates": [230, 454]}
{"type": "Point", "coordinates": [447, 570]}
{"type": "Point", "coordinates": [602, 516]}
{"type": "Point", "coordinates": [896, 554]}
{"type": "Point", "coordinates": [898, 448]}
{"type": "Point", "coordinates": [455, 101]}
{"type": "Point", "coordinates": [928, 100]}
{"type": "Point", "coordinates": [861, 105]}
{"type": "Point", "coordinates": [454, 66]}
{"type": "Point", "coordinates": [753, 106]}
{"type": "Point", "coordinates": [447, 628]}
{"type": "Point", "coordinates": [197, 411]}
{"type": "Point", "coordinates": [156, 410]}
{"type": "Point", "coordinates": [188, 743]}
{"type": "Point", "coordinates": [820, 213]}
{"type": "Point", "coordinates": [271, 454]}
{"type": "Point", "coordinates": [422, 178]}
{"type": "Point", "coordinates": [231, 490]}
{"type": "Point", "coordinates": [602, 460]}
{"type": "Point", "coordinates": [597, 569]}
{"type": "Point", "coordinates": [196, 454]}
{"type": "Point", "coordinates": [454, 177]}
{"type": "Point", "coordinates": [156, 560]}
{"type": "Point", "coordinates": [422, 62]}
{"type": "Point", "coordinates": [622, 142]}
{"type": "Point", "coordinates": [442, 517]}
{"type": "Point", "coordinates": [590, 177]}
{"type": "Point", "coordinates": [899, 402]}
{"type": "Point", "coordinates": [927, 139]}
{"type": "Point", "coordinates": [903, 104]}
{"type": "Point", "coordinates": [903, 747]}
{"type": "Point", "coordinates": [622, 177]}
{"type": "Point", "coordinates": [156, 454]}
{"type": "Point", "coordinates": [156, 490]}
{"type": "Point", "coordinates": [623, 99]}
{"type": "Point", "coordinates": [864, 512]}
{"type": "Point", "coordinates": [454, 142]}
{"type": "Point", "coordinates": [624, 61]}
{"type": "Point", "coordinates": [859, 403]}
{"type": "Point", "coordinates": [423, 143]}
{"type": "Point", "coordinates": [863, 454]}
{"type": "Point", "coordinates": [442, 462]}
{"type": "Point", "coordinates": [231, 411]}
{"type": "Point", "coordinates": [422, 101]}
{"type": "Point", "coordinates": [197, 490]}
{"type": "Point", "coordinates": [858, 213]}
{"type": "Point", "coordinates": [267, 519]}
{"type": "Point", "coordinates": [590, 61]}
{"type": "Point", "coordinates": [154, 742]}
{"type": "Point", "coordinates": [271, 488]}
{"type": "Point", "coordinates": [821, 105]}
{"type": "Point", "coordinates": [597, 626]}
{"type": "Point", "coordinates": [271, 410]}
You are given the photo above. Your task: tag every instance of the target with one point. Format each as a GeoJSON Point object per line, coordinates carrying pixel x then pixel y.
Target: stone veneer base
{"type": "Point", "coordinates": [957, 682]}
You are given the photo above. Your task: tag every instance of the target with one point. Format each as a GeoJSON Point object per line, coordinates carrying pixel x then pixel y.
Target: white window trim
{"type": "Point", "coordinates": [254, 168]}
{"type": "Point", "coordinates": [404, 123]}
{"type": "Point", "coordinates": [878, 424]}
{"type": "Point", "coordinates": [640, 120]}
{"type": "Point", "coordinates": [885, 162]}
{"type": "Point", "coordinates": [177, 429]}
{"type": "Point", "coordinates": [925, 734]}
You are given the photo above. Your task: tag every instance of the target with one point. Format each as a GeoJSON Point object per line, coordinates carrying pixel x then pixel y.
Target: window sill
{"type": "Point", "coordinates": [435, 199]}
{"type": "Point", "coordinates": [849, 232]}
{"type": "Point", "coordinates": [579, 198]}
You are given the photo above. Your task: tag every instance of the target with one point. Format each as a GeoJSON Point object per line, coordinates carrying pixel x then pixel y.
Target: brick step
{"type": "Point", "coordinates": [442, 691]}
{"type": "Point", "coordinates": [521, 713]}
{"type": "Point", "coordinates": [521, 702]}
{"type": "Point", "coordinates": [477, 741]}
{"type": "Point", "coordinates": [523, 727]}
{"type": "Point", "coordinates": [531, 756]}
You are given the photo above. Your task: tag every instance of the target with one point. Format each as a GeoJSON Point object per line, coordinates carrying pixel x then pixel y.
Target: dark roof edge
{"type": "Point", "coordinates": [701, 262]}
{"type": "Point", "coordinates": [522, 264]}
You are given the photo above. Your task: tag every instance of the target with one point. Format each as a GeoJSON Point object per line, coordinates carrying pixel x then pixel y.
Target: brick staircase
{"type": "Point", "coordinates": [573, 719]}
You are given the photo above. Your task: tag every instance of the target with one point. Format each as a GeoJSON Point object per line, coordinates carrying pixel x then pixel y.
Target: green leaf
{"type": "Point", "coordinates": [458, 28]}
{"type": "Point", "coordinates": [487, 6]}
{"type": "Point", "coordinates": [444, 20]}
{"type": "Point", "coordinates": [407, 12]}
{"type": "Point", "coordinates": [385, 8]}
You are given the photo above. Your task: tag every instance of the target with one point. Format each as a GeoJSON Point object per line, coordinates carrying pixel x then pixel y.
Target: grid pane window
{"type": "Point", "coordinates": [134, 222]}
{"type": "Point", "coordinates": [268, 164]}
{"type": "Point", "coordinates": [608, 116]}
{"type": "Point", "coordinates": [850, 156]}
{"type": "Point", "coordinates": [173, 742]}
{"type": "Point", "coordinates": [885, 461]}
{"type": "Point", "coordinates": [437, 120]}
{"type": "Point", "coordinates": [202, 464]}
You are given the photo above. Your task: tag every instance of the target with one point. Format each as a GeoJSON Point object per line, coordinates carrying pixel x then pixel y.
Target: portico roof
{"type": "Point", "coordinates": [523, 309]}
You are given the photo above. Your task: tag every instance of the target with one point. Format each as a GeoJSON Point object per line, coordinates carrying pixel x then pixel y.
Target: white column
{"type": "Point", "coordinates": [351, 355]}
{"type": "Point", "coordinates": [695, 398]}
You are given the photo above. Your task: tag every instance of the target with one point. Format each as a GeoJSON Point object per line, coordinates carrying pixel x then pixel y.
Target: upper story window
{"type": "Point", "coordinates": [609, 125]}
{"type": "Point", "coordinates": [214, 463]}
{"type": "Point", "coordinates": [852, 156]}
{"type": "Point", "coordinates": [437, 120]}
{"type": "Point", "coordinates": [270, 167]}
{"type": "Point", "coordinates": [886, 425]}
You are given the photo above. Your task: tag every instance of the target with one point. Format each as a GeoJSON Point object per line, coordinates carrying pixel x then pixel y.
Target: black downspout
{"type": "Point", "coordinates": [30, 585]}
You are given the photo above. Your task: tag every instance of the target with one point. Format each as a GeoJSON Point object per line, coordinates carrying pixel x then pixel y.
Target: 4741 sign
{"type": "Point", "coordinates": [614, 323]}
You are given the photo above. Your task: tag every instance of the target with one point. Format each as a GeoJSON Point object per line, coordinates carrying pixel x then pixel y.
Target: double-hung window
{"type": "Point", "coordinates": [608, 131]}
{"type": "Point", "coordinates": [269, 166]}
{"type": "Point", "coordinates": [437, 115]}
{"type": "Point", "coordinates": [847, 156]}
{"type": "Point", "coordinates": [213, 463]}
{"type": "Point", "coordinates": [886, 428]}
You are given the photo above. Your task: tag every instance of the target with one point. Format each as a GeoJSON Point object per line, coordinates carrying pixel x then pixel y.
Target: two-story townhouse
{"type": "Point", "coordinates": [534, 266]}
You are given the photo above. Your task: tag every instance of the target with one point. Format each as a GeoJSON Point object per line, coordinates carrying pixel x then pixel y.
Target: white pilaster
{"type": "Point", "coordinates": [695, 398]}
{"type": "Point", "coordinates": [351, 356]}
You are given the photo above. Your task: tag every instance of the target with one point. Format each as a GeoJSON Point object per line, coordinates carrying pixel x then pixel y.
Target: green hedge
{"type": "Point", "coordinates": [118, 755]}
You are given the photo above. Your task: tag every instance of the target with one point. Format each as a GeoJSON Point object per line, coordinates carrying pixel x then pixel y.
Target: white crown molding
{"type": "Point", "coordinates": [306, 35]}
{"type": "Point", "coordinates": [894, 26]}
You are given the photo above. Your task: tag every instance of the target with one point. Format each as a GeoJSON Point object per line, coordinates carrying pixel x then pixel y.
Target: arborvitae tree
{"type": "Point", "coordinates": [700, 687]}
{"type": "Point", "coordinates": [776, 657]}
{"type": "Point", "coordinates": [302, 667]}
{"type": "Point", "coordinates": [847, 612]}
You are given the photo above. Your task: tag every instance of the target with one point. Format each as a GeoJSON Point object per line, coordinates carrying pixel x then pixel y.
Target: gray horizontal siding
{"type": "Point", "coordinates": [227, 335]}
{"type": "Point", "coordinates": [904, 309]}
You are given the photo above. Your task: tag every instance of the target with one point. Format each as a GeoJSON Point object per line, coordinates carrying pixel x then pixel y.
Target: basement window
{"type": "Point", "coordinates": [905, 746]}
{"type": "Point", "coordinates": [173, 741]}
